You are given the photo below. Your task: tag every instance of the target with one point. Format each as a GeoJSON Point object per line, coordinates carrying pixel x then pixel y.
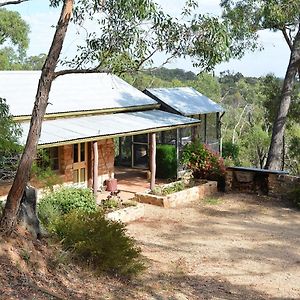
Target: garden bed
{"type": "Point", "coordinates": [127, 214]}
{"type": "Point", "coordinates": [199, 190]}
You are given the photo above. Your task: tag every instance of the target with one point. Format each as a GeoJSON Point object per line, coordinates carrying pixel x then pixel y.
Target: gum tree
{"type": "Point", "coordinates": [245, 19]}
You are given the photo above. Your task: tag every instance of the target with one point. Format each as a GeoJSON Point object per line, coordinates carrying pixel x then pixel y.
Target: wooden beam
{"type": "Point", "coordinates": [152, 159]}
{"type": "Point", "coordinates": [95, 167]}
{"type": "Point", "coordinates": [177, 151]}
{"type": "Point", "coordinates": [90, 164]}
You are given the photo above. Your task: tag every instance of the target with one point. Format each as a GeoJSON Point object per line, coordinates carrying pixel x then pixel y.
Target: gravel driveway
{"type": "Point", "coordinates": [234, 247]}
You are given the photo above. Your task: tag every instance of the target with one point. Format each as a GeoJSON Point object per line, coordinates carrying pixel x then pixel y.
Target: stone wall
{"type": "Point", "coordinates": [280, 185]}
{"type": "Point", "coordinates": [275, 185]}
{"type": "Point", "coordinates": [106, 165]}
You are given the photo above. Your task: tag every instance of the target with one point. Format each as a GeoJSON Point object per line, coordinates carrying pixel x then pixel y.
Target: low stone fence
{"type": "Point", "coordinates": [267, 182]}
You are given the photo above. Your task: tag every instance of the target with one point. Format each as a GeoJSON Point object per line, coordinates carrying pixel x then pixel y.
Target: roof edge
{"type": "Point", "coordinates": [103, 111]}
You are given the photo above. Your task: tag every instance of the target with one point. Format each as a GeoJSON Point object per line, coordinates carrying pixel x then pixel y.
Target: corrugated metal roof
{"type": "Point", "coordinates": [70, 93]}
{"type": "Point", "coordinates": [63, 131]}
{"type": "Point", "coordinates": [185, 100]}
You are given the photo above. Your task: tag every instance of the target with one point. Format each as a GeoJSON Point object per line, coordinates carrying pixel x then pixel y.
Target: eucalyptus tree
{"type": "Point", "coordinates": [127, 35]}
{"type": "Point", "coordinates": [245, 19]}
{"type": "Point", "coordinates": [14, 33]}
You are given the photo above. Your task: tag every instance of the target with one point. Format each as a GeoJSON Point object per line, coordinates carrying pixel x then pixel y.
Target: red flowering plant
{"type": "Point", "coordinates": [203, 162]}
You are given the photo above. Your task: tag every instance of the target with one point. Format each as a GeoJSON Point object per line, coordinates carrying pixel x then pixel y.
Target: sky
{"type": "Point", "coordinates": [41, 19]}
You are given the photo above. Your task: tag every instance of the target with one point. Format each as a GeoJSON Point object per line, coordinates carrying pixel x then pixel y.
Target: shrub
{"type": "Point", "coordinates": [55, 204]}
{"type": "Point", "coordinates": [168, 189]}
{"type": "Point", "coordinates": [203, 162]}
{"type": "Point", "coordinates": [101, 243]}
{"type": "Point", "coordinates": [230, 150]}
{"type": "Point", "coordinates": [166, 162]}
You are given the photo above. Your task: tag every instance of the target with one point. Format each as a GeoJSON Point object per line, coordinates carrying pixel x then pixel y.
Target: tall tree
{"type": "Point", "coordinates": [245, 19]}
{"type": "Point", "coordinates": [12, 205]}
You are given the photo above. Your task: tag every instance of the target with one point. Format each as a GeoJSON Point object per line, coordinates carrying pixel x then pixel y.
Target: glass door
{"type": "Point", "coordinates": [80, 163]}
{"type": "Point", "coordinates": [140, 150]}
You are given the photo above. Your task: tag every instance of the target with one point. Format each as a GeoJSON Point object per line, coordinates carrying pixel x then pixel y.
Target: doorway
{"type": "Point", "coordinates": [80, 163]}
{"type": "Point", "coordinates": [133, 151]}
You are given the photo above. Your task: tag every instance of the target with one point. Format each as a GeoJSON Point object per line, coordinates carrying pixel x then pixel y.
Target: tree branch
{"type": "Point", "coordinates": [286, 37]}
{"type": "Point", "coordinates": [80, 71]}
{"type": "Point", "coordinates": [3, 3]}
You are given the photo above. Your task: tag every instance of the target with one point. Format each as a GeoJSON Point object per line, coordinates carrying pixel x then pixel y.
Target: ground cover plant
{"type": "Point", "coordinates": [169, 188]}
{"type": "Point", "coordinates": [74, 219]}
{"type": "Point", "coordinates": [56, 204]}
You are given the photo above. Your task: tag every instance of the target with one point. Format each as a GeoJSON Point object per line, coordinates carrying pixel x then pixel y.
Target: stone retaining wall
{"type": "Point", "coordinates": [280, 185]}
{"type": "Point", "coordinates": [127, 214]}
{"type": "Point", "coordinates": [179, 198]}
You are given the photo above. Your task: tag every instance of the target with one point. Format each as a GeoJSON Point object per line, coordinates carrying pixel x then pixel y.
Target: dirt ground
{"type": "Point", "coordinates": [235, 247]}
{"type": "Point", "coordinates": [246, 246]}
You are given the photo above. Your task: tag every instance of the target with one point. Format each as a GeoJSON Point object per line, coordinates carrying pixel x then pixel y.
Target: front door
{"type": "Point", "coordinates": [80, 163]}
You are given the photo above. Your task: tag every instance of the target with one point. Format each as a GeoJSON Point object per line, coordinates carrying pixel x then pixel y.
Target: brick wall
{"type": "Point", "coordinates": [106, 164]}
{"type": "Point", "coordinates": [66, 162]}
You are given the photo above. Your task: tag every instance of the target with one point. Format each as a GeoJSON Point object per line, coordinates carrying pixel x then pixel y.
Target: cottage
{"type": "Point", "coordinates": [88, 118]}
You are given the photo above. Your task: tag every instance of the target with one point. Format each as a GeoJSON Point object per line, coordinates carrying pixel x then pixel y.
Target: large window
{"type": "Point", "coordinates": [48, 158]}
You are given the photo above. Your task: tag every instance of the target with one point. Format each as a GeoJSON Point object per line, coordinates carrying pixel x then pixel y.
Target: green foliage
{"type": "Point", "coordinates": [212, 201]}
{"type": "Point", "coordinates": [56, 204]}
{"type": "Point", "coordinates": [130, 33]}
{"type": "Point", "coordinates": [204, 163]}
{"type": "Point", "coordinates": [10, 131]}
{"type": "Point", "coordinates": [42, 171]}
{"type": "Point", "coordinates": [100, 243]}
{"type": "Point", "coordinates": [230, 150]}
{"type": "Point", "coordinates": [13, 29]}
{"type": "Point", "coordinates": [170, 74]}
{"type": "Point", "coordinates": [166, 161]}
{"type": "Point", "coordinates": [9, 147]}
{"type": "Point", "coordinates": [169, 188]}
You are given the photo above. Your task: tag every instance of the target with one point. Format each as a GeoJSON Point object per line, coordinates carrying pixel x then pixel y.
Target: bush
{"type": "Point", "coordinates": [55, 204]}
{"type": "Point", "coordinates": [231, 151]}
{"type": "Point", "coordinates": [101, 243]}
{"type": "Point", "coordinates": [203, 162]}
{"type": "Point", "coordinates": [166, 162]}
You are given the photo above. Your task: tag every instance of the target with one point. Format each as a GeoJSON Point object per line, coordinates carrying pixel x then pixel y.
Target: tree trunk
{"type": "Point", "coordinates": [152, 159]}
{"type": "Point", "coordinates": [95, 168]}
{"type": "Point", "coordinates": [275, 150]}
{"type": "Point", "coordinates": [15, 194]}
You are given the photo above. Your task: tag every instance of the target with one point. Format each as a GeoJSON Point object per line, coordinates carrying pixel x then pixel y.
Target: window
{"type": "Point", "coordinates": [48, 158]}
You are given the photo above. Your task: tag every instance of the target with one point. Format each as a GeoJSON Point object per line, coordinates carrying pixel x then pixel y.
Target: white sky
{"type": "Point", "coordinates": [273, 59]}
